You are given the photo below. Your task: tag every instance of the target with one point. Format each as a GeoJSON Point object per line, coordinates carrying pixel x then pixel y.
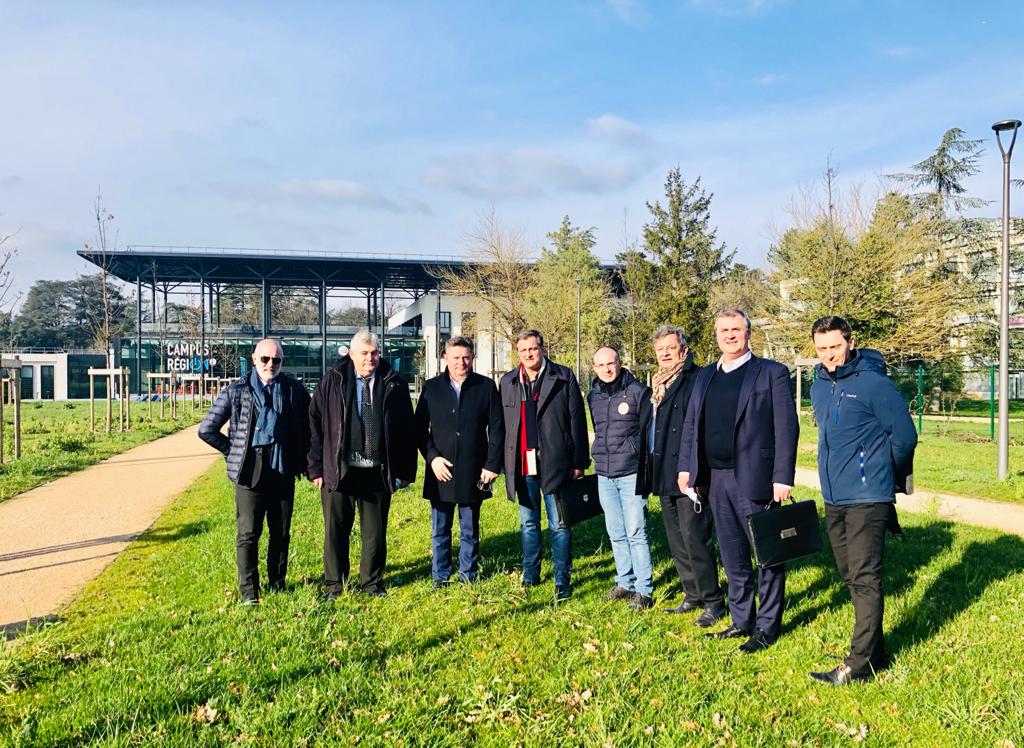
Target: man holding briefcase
{"type": "Point", "coordinates": [866, 441]}
{"type": "Point", "coordinates": [739, 445]}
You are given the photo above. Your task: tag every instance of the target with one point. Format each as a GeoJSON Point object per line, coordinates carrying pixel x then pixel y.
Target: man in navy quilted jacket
{"type": "Point", "coordinates": [866, 442]}
{"type": "Point", "coordinates": [265, 448]}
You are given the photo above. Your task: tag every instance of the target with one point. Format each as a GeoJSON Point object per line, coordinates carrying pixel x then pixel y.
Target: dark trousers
{"type": "Point", "coordinates": [693, 552]}
{"type": "Point", "coordinates": [857, 534]}
{"type": "Point", "coordinates": [272, 497]}
{"type": "Point", "coordinates": [731, 512]}
{"type": "Point", "coordinates": [442, 517]}
{"type": "Point", "coordinates": [361, 488]}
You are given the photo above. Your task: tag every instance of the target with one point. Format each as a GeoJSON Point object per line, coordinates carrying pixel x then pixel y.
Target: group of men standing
{"type": "Point", "coordinates": [716, 444]}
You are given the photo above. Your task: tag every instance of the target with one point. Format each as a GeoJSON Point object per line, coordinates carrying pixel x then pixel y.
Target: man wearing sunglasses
{"type": "Point", "coordinates": [266, 445]}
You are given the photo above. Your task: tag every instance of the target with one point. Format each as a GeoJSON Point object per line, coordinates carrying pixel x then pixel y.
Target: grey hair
{"type": "Point", "coordinates": [734, 312]}
{"type": "Point", "coordinates": [366, 336]}
{"type": "Point", "coordinates": [669, 330]}
{"type": "Point", "coordinates": [458, 342]}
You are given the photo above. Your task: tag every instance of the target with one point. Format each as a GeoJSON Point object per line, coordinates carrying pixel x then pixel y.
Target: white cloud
{"type": "Point", "coordinates": [321, 192]}
{"type": "Point", "coordinates": [734, 7]}
{"type": "Point", "coordinates": [529, 172]}
{"type": "Point", "coordinates": [631, 12]}
{"type": "Point", "coordinates": [768, 79]}
{"type": "Point", "coordinates": [618, 130]}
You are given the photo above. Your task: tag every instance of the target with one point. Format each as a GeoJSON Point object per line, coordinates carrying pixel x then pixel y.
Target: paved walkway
{"type": "Point", "coordinates": [55, 538]}
{"type": "Point", "coordinates": [996, 515]}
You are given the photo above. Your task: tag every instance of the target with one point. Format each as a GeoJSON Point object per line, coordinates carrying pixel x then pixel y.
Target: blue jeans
{"type": "Point", "coordinates": [528, 491]}
{"type": "Point", "coordinates": [625, 517]}
{"type": "Point", "coordinates": [442, 517]}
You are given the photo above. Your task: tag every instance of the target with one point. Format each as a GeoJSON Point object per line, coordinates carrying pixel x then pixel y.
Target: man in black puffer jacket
{"type": "Point", "coordinates": [266, 445]}
{"type": "Point", "coordinates": [620, 407]}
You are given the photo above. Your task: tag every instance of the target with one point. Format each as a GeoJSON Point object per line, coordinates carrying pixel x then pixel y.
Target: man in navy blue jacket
{"type": "Point", "coordinates": [866, 442]}
{"type": "Point", "coordinates": [739, 446]}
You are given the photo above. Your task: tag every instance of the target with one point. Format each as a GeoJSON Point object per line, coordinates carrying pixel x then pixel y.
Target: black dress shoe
{"type": "Point", "coordinates": [710, 615]}
{"type": "Point", "coordinates": [331, 595]}
{"type": "Point", "coordinates": [375, 592]}
{"type": "Point", "coordinates": [733, 632]}
{"type": "Point", "coordinates": [843, 675]}
{"type": "Point", "coordinates": [684, 607]}
{"type": "Point", "coordinates": [440, 584]}
{"type": "Point", "coordinates": [562, 592]}
{"type": "Point", "coordinates": [758, 640]}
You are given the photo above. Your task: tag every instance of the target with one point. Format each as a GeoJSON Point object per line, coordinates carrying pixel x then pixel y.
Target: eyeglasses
{"type": "Point", "coordinates": [267, 359]}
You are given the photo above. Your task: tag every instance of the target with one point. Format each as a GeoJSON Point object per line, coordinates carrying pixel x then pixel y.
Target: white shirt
{"type": "Point", "coordinates": [731, 366]}
{"type": "Point", "coordinates": [457, 386]}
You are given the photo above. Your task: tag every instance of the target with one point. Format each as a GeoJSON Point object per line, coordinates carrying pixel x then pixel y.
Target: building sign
{"type": "Point", "coordinates": [188, 358]}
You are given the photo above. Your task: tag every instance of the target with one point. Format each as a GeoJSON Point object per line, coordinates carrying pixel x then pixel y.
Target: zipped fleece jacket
{"type": "Point", "coordinates": [621, 412]}
{"type": "Point", "coordinates": [866, 437]}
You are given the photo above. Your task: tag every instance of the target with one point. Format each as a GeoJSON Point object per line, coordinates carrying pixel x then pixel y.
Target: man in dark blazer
{"type": "Point", "coordinates": [460, 434]}
{"type": "Point", "coordinates": [739, 446]}
{"type": "Point", "coordinates": [268, 436]}
{"type": "Point", "coordinates": [362, 449]}
{"type": "Point", "coordinates": [688, 526]}
{"type": "Point", "coordinates": [546, 445]}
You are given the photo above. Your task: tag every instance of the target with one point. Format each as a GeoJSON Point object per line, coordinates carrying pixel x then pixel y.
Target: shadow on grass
{"type": "Point", "coordinates": [957, 588]}
{"type": "Point", "coordinates": [903, 561]}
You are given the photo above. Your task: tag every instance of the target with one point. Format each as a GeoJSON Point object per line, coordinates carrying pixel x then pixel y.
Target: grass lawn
{"type": "Point", "coordinates": [55, 440]}
{"type": "Point", "coordinates": [158, 652]}
{"type": "Point", "coordinates": [953, 457]}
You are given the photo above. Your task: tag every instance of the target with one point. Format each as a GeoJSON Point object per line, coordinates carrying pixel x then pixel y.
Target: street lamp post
{"type": "Point", "coordinates": [1006, 125]}
{"type": "Point", "coordinates": [579, 312]}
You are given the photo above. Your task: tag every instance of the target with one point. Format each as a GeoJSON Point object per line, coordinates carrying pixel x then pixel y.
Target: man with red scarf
{"type": "Point", "coordinates": [546, 445]}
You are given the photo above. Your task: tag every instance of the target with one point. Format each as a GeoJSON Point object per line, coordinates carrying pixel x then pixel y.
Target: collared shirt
{"type": "Point", "coordinates": [456, 386]}
{"type": "Point", "coordinates": [730, 366]}
{"type": "Point", "coordinates": [531, 383]}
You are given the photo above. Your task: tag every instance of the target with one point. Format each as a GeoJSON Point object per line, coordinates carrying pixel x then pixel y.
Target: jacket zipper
{"type": "Point", "coordinates": [863, 475]}
{"type": "Point", "coordinates": [828, 451]}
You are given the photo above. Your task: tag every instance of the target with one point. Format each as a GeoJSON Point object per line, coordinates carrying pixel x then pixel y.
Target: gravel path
{"type": "Point", "coordinates": [55, 538]}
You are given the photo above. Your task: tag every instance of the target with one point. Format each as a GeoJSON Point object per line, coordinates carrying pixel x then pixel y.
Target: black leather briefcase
{"type": "Point", "coordinates": [785, 533]}
{"type": "Point", "coordinates": [577, 501]}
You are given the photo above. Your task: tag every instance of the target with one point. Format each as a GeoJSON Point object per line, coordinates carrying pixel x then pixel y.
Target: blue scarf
{"type": "Point", "coordinates": [266, 432]}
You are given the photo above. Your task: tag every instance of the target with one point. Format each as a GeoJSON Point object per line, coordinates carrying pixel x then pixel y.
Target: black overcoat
{"type": "Point", "coordinates": [561, 427]}
{"type": "Point", "coordinates": [467, 431]}
{"type": "Point", "coordinates": [661, 471]}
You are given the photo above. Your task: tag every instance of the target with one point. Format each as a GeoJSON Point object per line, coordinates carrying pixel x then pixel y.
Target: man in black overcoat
{"type": "Point", "coordinates": [546, 445]}
{"type": "Point", "coordinates": [460, 433]}
{"type": "Point", "coordinates": [688, 525]}
{"type": "Point", "coordinates": [362, 449]}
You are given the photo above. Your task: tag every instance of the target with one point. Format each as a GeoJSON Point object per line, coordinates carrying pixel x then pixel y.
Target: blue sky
{"type": "Point", "coordinates": [380, 126]}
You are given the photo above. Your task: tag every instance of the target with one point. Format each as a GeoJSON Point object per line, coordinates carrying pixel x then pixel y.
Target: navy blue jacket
{"type": "Point", "coordinates": [621, 412]}
{"type": "Point", "coordinates": [234, 406]}
{"type": "Point", "coordinates": [866, 437]}
{"type": "Point", "coordinates": [765, 436]}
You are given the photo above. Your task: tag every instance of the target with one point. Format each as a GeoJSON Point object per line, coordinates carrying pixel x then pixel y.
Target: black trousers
{"type": "Point", "coordinates": [857, 534]}
{"type": "Point", "coordinates": [693, 552]}
{"type": "Point", "coordinates": [272, 497]}
{"type": "Point", "coordinates": [731, 512]}
{"type": "Point", "coordinates": [361, 488]}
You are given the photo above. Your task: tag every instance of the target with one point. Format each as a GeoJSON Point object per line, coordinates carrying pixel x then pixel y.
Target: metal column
{"type": "Point", "coordinates": [266, 309]}
{"type": "Point", "coordinates": [323, 326]}
{"type": "Point", "coordinates": [138, 331]}
{"type": "Point", "coordinates": [383, 323]}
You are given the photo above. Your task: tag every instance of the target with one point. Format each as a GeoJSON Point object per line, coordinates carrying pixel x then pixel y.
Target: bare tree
{"type": "Point", "coordinates": [102, 318]}
{"type": "Point", "coordinates": [499, 274]}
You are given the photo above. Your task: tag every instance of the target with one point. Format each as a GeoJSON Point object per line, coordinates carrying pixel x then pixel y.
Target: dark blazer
{"type": "Point", "coordinates": [561, 427]}
{"type": "Point", "coordinates": [334, 402]}
{"type": "Point", "coordinates": [661, 472]}
{"type": "Point", "coordinates": [234, 406]}
{"type": "Point", "coordinates": [766, 432]}
{"type": "Point", "coordinates": [467, 430]}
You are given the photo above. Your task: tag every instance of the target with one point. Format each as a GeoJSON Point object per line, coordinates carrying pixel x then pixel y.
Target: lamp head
{"type": "Point", "coordinates": [1006, 124]}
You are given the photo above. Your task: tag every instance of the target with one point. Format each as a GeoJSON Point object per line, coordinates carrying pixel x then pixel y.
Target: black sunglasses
{"type": "Point", "coordinates": [275, 359]}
